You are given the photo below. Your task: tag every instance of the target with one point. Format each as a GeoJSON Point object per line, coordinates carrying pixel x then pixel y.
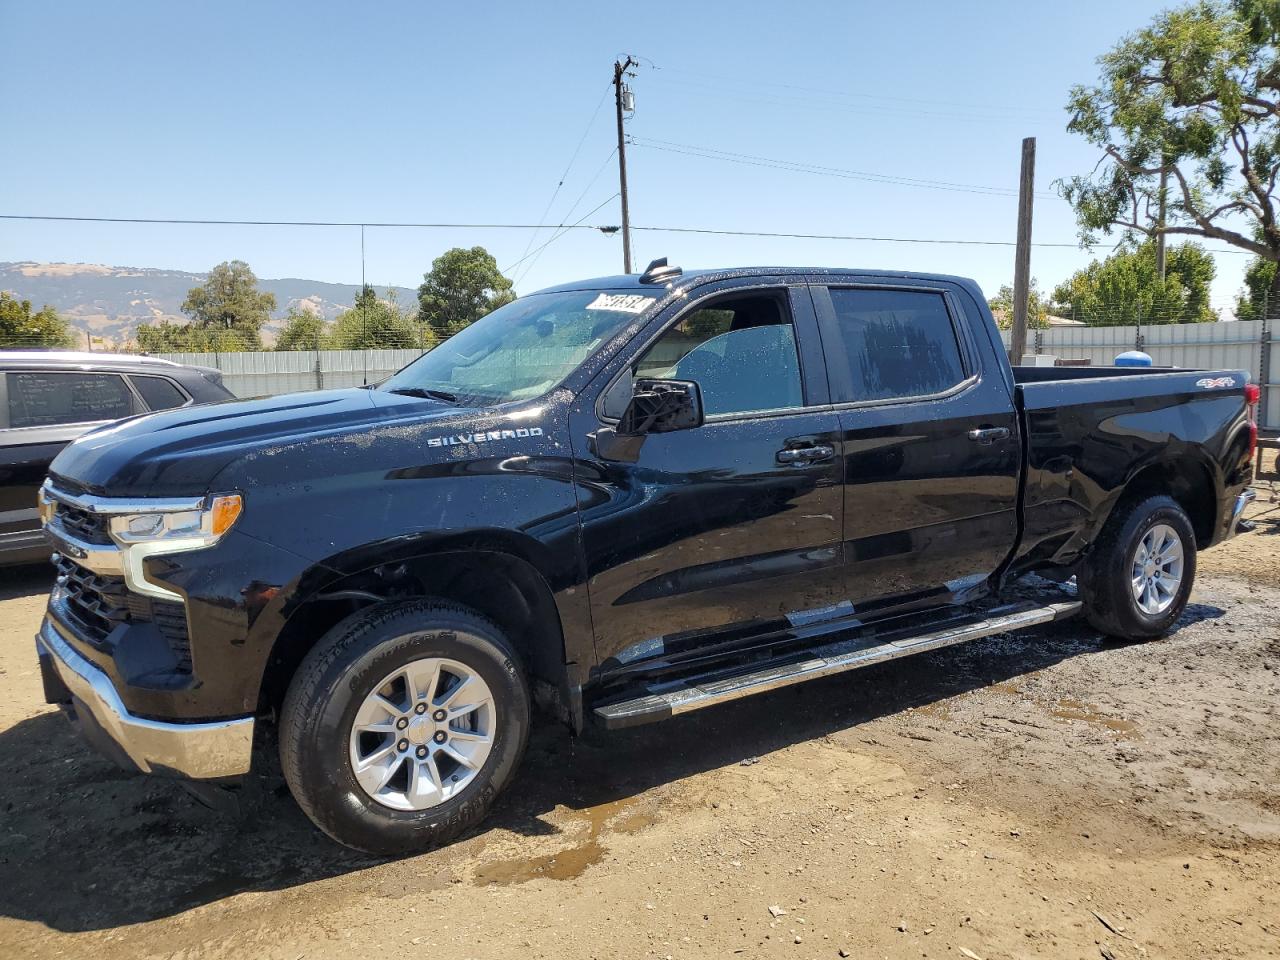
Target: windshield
{"type": "Point", "coordinates": [521, 350]}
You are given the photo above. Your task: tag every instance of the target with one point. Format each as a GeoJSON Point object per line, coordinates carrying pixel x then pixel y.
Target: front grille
{"type": "Point", "coordinates": [89, 527]}
{"type": "Point", "coordinates": [98, 603]}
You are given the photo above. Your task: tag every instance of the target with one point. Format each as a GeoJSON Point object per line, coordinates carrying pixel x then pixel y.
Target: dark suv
{"type": "Point", "coordinates": [48, 399]}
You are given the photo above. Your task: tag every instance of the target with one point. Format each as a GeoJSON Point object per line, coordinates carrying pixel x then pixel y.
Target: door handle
{"type": "Point", "coordinates": [988, 434]}
{"type": "Point", "coordinates": [808, 454]}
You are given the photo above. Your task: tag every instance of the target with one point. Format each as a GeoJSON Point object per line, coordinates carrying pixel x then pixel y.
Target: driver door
{"type": "Point", "coordinates": [731, 525]}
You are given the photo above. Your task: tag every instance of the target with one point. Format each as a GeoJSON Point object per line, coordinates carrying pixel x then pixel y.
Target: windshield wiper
{"type": "Point", "coordinates": [425, 393]}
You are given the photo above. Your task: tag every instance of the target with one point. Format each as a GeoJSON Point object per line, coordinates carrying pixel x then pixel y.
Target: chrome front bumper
{"type": "Point", "coordinates": [201, 751]}
{"type": "Point", "coordinates": [1237, 511]}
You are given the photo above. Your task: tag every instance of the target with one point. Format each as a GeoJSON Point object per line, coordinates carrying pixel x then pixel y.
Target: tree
{"type": "Point", "coordinates": [1037, 307]}
{"type": "Point", "coordinates": [1195, 96]}
{"type": "Point", "coordinates": [303, 330]}
{"type": "Point", "coordinates": [1256, 297]}
{"type": "Point", "coordinates": [230, 300]}
{"type": "Point", "coordinates": [19, 327]}
{"type": "Point", "coordinates": [1125, 288]}
{"type": "Point", "coordinates": [461, 287]}
{"type": "Point", "coordinates": [373, 324]}
{"type": "Point", "coordinates": [170, 337]}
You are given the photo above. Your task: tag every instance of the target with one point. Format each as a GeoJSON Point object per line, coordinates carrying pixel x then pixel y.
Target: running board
{"type": "Point", "coordinates": [836, 657]}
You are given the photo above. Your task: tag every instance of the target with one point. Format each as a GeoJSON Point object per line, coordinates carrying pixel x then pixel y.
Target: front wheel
{"type": "Point", "coordinates": [402, 726]}
{"type": "Point", "coordinates": [1138, 577]}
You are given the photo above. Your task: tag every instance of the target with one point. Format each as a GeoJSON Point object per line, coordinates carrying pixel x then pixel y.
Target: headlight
{"type": "Point", "coordinates": [180, 529]}
{"type": "Point", "coordinates": [142, 529]}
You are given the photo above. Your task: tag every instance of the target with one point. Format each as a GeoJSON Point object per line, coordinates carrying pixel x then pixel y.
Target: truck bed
{"type": "Point", "coordinates": [1090, 430]}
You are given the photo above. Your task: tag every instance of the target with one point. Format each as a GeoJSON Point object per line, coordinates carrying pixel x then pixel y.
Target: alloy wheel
{"type": "Point", "coordinates": [422, 734]}
{"type": "Point", "coordinates": [1156, 571]}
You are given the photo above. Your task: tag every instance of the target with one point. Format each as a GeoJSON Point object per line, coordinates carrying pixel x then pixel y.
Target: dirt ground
{"type": "Point", "coordinates": [1043, 794]}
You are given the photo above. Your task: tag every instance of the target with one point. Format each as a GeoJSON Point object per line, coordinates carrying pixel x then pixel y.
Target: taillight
{"type": "Point", "coordinates": [1252, 394]}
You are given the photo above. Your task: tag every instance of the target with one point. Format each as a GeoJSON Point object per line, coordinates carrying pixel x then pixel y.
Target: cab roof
{"type": "Point", "coordinates": [691, 278]}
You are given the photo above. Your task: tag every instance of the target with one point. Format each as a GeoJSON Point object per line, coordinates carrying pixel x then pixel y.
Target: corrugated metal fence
{"type": "Point", "coordinates": [1234, 345]}
{"type": "Point", "coordinates": [1244, 345]}
{"type": "Point", "coordinates": [266, 374]}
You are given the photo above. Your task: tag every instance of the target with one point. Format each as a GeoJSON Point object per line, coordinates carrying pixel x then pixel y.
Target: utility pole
{"type": "Point", "coordinates": [1022, 257]}
{"type": "Point", "coordinates": [620, 69]}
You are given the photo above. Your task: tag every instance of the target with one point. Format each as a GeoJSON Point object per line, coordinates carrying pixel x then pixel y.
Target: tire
{"type": "Point", "coordinates": [1112, 579]}
{"type": "Point", "coordinates": [430, 797]}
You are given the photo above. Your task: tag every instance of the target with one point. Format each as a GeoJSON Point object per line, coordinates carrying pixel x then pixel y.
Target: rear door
{"type": "Point", "coordinates": [726, 526]}
{"type": "Point", "coordinates": [928, 436]}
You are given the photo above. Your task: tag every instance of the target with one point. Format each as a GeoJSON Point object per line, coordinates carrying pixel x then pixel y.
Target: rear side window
{"type": "Point", "coordinates": [898, 344]}
{"type": "Point", "coordinates": [159, 392]}
{"type": "Point", "coordinates": [50, 398]}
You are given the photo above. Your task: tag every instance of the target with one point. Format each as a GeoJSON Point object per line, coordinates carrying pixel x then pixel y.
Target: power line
{"type": "Point", "coordinates": [834, 101]}
{"type": "Point", "coordinates": [278, 223]}
{"type": "Point", "coordinates": [559, 232]}
{"type": "Point", "coordinates": [579, 225]}
{"type": "Point", "coordinates": [738, 81]}
{"type": "Point", "coordinates": [569, 166]}
{"type": "Point", "coordinates": [711, 153]}
{"type": "Point", "coordinates": [566, 227]}
{"type": "Point", "coordinates": [840, 236]}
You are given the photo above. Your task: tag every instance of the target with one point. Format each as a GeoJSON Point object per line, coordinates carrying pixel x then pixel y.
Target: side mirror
{"type": "Point", "coordinates": [660, 406]}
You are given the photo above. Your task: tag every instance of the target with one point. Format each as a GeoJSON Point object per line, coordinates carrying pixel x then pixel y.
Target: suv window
{"type": "Point", "coordinates": [47, 398]}
{"type": "Point", "coordinates": [159, 392]}
{"type": "Point", "coordinates": [741, 351]}
{"type": "Point", "coordinates": [897, 344]}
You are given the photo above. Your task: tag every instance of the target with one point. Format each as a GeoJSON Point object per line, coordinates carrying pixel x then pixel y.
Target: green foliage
{"type": "Point", "coordinates": [169, 337]}
{"type": "Point", "coordinates": [20, 327]}
{"type": "Point", "coordinates": [1259, 293]}
{"type": "Point", "coordinates": [1126, 289]}
{"type": "Point", "coordinates": [230, 300]}
{"type": "Point", "coordinates": [1037, 307]}
{"type": "Point", "coordinates": [461, 287]}
{"type": "Point", "coordinates": [1197, 95]}
{"type": "Point", "coordinates": [227, 313]}
{"type": "Point", "coordinates": [303, 330]}
{"type": "Point", "coordinates": [373, 324]}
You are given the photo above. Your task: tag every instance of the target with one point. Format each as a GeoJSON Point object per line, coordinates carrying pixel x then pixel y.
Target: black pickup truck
{"type": "Point", "coordinates": [622, 499]}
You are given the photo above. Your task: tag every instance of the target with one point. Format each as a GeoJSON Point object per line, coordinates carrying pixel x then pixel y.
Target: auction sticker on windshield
{"type": "Point", "coordinates": [621, 302]}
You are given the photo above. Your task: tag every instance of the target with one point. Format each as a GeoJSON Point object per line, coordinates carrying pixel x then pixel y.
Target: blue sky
{"type": "Point", "coordinates": [470, 113]}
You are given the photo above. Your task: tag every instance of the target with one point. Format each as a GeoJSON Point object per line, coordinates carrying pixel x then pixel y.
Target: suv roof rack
{"type": "Point", "coordinates": [657, 271]}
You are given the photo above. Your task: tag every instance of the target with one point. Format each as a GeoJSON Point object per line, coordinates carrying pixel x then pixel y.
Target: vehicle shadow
{"type": "Point", "coordinates": [25, 581]}
{"type": "Point", "coordinates": [84, 846]}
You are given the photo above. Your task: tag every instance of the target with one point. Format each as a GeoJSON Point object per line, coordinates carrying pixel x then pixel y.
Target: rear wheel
{"type": "Point", "coordinates": [402, 725]}
{"type": "Point", "coordinates": [1138, 577]}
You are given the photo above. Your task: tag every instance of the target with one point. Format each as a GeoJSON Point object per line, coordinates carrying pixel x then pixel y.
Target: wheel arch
{"type": "Point", "coordinates": [499, 584]}
{"type": "Point", "coordinates": [1189, 479]}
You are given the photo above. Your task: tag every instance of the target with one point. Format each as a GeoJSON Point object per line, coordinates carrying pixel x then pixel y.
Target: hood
{"type": "Point", "coordinates": [179, 453]}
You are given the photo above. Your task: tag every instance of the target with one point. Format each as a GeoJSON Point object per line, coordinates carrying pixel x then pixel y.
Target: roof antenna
{"type": "Point", "coordinates": [657, 271]}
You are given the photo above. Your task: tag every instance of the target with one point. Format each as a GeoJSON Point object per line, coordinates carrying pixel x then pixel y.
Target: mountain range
{"type": "Point", "coordinates": [108, 303]}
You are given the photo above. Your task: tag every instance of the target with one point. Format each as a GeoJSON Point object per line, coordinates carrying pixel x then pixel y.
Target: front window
{"type": "Point", "coordinates": [524, 349]}
{"type": "Point", "coordinates": [741, 351]}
